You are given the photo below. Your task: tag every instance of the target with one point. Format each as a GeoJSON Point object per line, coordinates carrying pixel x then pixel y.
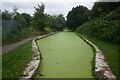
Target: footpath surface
{"type": "Point", "coordinates": [10, 47]}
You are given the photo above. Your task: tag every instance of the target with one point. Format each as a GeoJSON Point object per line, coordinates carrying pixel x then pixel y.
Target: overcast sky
{"type": "Point", "coordinates": [51, 6]}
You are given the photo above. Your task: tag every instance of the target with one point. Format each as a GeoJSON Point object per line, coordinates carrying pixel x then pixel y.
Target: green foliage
{"type": "Point", "coordinates": [55, 22]}
{"type": "Point", "coordinates": [105, 27]}
{"type": "Point", "coordinates": [77, 16]}
{"type": "Point", "coordinates": [21, 20]}
{"type": "Point", "coordinates": [15, 61]}
{"type": "Point", "coordinates": [17, 35]}
{"type": "Point", "coordinates": [103, 30]}
{"type": "Point", "coordinates": [43, 21]}
{"type": "Point", "coordinates": [27, 17]}
{"type": "Point", "coordinates": [39, 17]}
{"type": "Point", "coordinates": [6, 15]}
{"type": "Point", "coordinates": [101, 8]}
{"type": "Point", "coordinates": [60, 21]}
{"type": "Point", "coordinates": [39, 23]}
{"type": "Point", "coordinates": [39, 11]}
{"type": "Point", "coordinates": [21, 31]}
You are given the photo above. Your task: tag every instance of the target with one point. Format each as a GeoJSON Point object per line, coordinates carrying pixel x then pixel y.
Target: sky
{"type": "Point", "coordinates": [53, 7]}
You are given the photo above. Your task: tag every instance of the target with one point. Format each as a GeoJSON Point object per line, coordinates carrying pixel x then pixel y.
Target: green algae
{"type": "Point", "coordinates": [65, 55]}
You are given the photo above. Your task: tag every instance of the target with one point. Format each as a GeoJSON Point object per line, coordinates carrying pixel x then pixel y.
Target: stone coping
{"type": "Point", "coordinates": [33, 65]}
{"type": "Point", "coordinates": [102, 69]}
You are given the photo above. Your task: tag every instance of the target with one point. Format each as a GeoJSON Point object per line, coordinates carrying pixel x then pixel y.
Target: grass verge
{"type": "Point", "coordinates": [14, 62]}
{"type": "Point", "coordinates": [110, 51]}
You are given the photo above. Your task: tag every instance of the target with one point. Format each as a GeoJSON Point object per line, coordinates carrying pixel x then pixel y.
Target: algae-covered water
{"type": "Point", "coordinates": [65, 55]}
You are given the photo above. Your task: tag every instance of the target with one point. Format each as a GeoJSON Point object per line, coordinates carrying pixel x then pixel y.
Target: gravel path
{"type": "Point", "coordinates": [10, 47]}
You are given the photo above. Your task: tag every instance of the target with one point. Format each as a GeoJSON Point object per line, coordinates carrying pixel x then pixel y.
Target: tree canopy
{"type": "Point", "coordinates": [105, 22]}
{"type": "Point", "coordinates": [6, 15]}
{"type": "Point", "coordinates": [103, 8]}
{"type": "Point", "coordinates": [77, 16]}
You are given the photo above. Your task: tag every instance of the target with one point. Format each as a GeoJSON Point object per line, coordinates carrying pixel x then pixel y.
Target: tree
{"type": "Point", "coordinates": [27, 17]}
{"type": "Point", "coordinates": [6, 15]}
{"type": "Point", "coordinates": [77, 16]}
{"type": "Point", "coordinates": [39, 17]}
{"type": "Point", "coordinates": [105, 24]}
{"type": "Point", "coordinates": [39, 11]}
{"type": "Point", "coordinates": [101, 8]}
{"type": "Point", "coordinates": [21, 20]}
{"type": "Point", "coordinates": [61, 21]}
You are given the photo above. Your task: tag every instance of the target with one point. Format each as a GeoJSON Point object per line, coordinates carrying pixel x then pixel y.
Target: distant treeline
{"type": "Point", "coordinates": [102, 21]}
{"type": "Point", "coordinates": [16, 26]}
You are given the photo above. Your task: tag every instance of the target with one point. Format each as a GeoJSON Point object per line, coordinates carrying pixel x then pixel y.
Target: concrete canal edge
{"type": "Point", "coordinates": [33, 65]}
{"type": "Point", "coordinates": [102, 69]}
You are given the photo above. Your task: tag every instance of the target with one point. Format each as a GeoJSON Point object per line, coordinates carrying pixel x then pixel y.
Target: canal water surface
{"type": "Point", "coordinates": [65, 55]}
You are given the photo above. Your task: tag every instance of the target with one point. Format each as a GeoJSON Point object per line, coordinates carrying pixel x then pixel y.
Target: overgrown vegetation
{"type": "Point", "coordinates": [103, 29]}
{"type": "Point", "coordinates": [39, 23]}
{"type": "Point", "coordinates": [15, 61]}
{"type": "Point", "coordinates": [77, 16]}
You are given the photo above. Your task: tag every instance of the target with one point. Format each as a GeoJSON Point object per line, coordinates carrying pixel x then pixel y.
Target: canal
{"type": "Point", "coordinates": [65, 55]}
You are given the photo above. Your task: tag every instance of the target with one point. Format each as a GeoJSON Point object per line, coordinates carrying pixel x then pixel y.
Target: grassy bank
{"type": "Point", "coordinates": [110, 51]}
{"type": "Point", "coordinates": [14, 62]}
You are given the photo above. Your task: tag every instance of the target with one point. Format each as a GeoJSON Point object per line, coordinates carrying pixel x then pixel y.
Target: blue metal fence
{"type": "Point", "coordinates": [8, 26]}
